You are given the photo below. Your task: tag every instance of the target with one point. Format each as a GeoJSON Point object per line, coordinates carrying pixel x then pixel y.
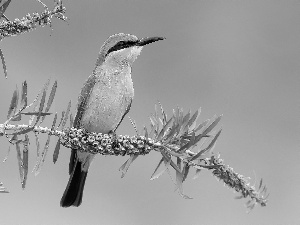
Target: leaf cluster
{"type": "Point", "coordinates": [182, 142]}
{"type": "Point", "coordinates": [37, 111]}
{"type": "Point", "coordinates": [177, 136]}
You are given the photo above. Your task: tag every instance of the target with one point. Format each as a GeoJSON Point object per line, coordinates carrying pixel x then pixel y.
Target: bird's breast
{"type": "Point", "coordinates": [108, 101]}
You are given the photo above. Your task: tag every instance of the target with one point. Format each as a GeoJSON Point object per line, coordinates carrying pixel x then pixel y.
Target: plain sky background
{"type": "Point", "coordinates": [237, 58]}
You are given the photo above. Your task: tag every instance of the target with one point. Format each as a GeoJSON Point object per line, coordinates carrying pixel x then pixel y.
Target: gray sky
{"type": "Point", "coordinates": [237, 58]}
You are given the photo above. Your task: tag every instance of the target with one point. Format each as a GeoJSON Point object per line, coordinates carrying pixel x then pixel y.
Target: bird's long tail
{"type": "Point", "coordinates": [74, 190]}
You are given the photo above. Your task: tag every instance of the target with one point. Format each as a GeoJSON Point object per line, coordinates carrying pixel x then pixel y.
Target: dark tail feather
{"type": "Point", "coordinates": [74, 190]}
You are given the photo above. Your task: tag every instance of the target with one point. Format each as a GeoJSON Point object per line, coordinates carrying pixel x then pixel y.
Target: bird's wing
{"type": "Point", "coordinates": [82, 101]}
{"type": "Point", "coordinates": [83, 98]}
{"type": "Point", "coordinates": [127, 110]}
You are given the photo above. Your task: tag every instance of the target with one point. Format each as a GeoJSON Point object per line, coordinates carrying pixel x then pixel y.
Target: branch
{"type": "Point", "coordinates": [112, 144]}
{"type": "Point", "coordinates": [173, 138]}
{"type": "Point", "coordinates": [30, 22]}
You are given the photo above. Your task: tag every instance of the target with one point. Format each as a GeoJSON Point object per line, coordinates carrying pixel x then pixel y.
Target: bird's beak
{"type": "Point", "coordinates": [148, 40]}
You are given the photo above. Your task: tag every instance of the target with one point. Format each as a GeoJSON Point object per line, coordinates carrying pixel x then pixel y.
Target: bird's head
{"type": "Point", "coordinates": [123, 48]}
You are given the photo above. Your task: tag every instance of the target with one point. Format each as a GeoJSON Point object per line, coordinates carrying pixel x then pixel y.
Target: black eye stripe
{"type": "Point", "coordinates": [121, 45]}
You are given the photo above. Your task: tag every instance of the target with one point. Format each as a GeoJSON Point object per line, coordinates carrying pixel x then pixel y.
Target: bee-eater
{"type": "Point", "coordinates": [103, 102]}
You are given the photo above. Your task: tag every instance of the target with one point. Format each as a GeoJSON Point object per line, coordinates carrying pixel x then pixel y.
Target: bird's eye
{"type": "Point", "coordinates": [121, 45]}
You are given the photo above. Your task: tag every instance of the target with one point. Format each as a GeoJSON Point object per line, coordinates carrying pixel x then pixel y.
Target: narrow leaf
{"type": "Point", "coordinates": [200, 126]}
{"type": "Point", "coordinates": [184, 123]}
{"type": "Point", "coordinates": [62, 118]}
{"type": "Point", "coordinates": [192, 122]}
{"type": "Point", "coordinates": [185, 171]}
{"type": "Point", "coordinates": [212, 125]}
{"type": "Point", "coordinates": [20, 162]}
{"type": "Point", "coordinates": [37, 142]}
{"type": "Point", "coordinates": [3, 62]}
{"type": "Point", "coordinates": [172, 132]}
{"type": "Point", "coordinates": [167, 158]}
{"type": "Point", "coordinates": [50, 99]}
{"type": "Point", "coordinates": [180, 116]}
{"type": "Point", "coordinates": [152, 131]}
{"type": "Point", "coordinates": [208, 129]}
{"type": "Point", "coordinates": [260, 183]}
{"type": "Point", "coordinates": [176, 113]}
{"type": "Point", "coordinates": [161, 122]}
{"type": "Point", "coordinates": [211, 144]}
{"type": "Point", "coordinates": [166, 163]}
{"type": "Point", "coordinates": [13, 104]}
{"type": "Point", "coordinates": [152, 120]}
{"type": "Point", "coordinates": [71, 120]}
{"type": "Point", "coordinates": [159, 164]}
{"type": "Point", "coordinates": [36, 114]}
{"type": "Point", "coordinates": [18, 117]}
{"type": "Point", "coordinates": [264, 190]}
{"type": "Point", "coordinates": [54, 121]}
{"type": "Point", "coordinates": [156, 120]}
{"type": "Point", "coordinates": [163, 130]}
{"type": "Point", "coordinates": [179, 179]}
{"type": "Point", "coordinates": [51, 96]}
{"type": "Point", "coordinates": [179, 163]}
{"type": "Point", "coordinates": [134, 125]}
{"type": "Point", "coordinates": [163, 113]}
{"type": "Point", "coordinates": [25, 160]}
{"type": "Point", "coordinates": [42, 103]}
{"type": "Point", "coordinates": [25, 131]}
{"type": "Point", "coordinates": [123, 165]}
{"type": "Point", "coordinates": [192, 142]}
{"type": "Point", "coordinates": [179, 184]}
{"type": "Point", "coordinates": [155, 112]}
{"type": "Point", "coordinates": [188, 145]}
{"type": "Point", "coordinates": [56, 151]}
{"type": "Point", "coordinates": [24, 95]}
{"type": "Point", "coordinates": [146, 132]}
{"type": "Point", "coordinates": [36, 100]}
{"type": "Point", "coordinates": [124, 168]}
{"type": "Point", "coordinates": [42, 157]}
{"type": "Point", "coordinates": [66, 115]}
{"type": "Point", "coordinates": [57, 147]}
{"type": "Point", "coordinates": [4, 6]}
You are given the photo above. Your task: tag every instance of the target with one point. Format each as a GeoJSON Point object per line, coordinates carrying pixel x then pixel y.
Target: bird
{"type": "Point", "coordinates": [103, 102]}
